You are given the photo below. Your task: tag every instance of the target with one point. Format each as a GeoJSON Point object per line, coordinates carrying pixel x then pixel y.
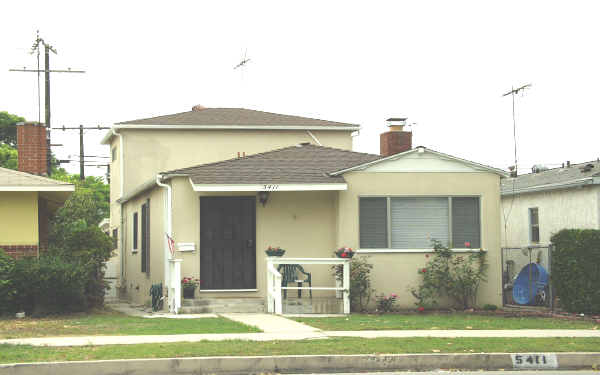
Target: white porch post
{"type": "Point", "coordinates": [269, 287]}
{"type": "Point", "coordinates": [175, 285]}
{"type": "Point", "coordinates": [346, 286]}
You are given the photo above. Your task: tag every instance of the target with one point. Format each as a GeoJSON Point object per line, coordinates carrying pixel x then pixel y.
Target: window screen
{"type": "Point", "coordinates": [135, 230]}
{"type": "Point", "coordinates": [145, 258]}
{"type": "Point", "coordinates": [465, 222]}
{"type": "Point", "coordinates": [416, 221]}
{"type": "Point", "coordinates": [534, 225]}
{"type": "Point", "coordinates": [373, 223]}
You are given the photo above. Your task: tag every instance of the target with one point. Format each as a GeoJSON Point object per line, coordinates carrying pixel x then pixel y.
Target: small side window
{"type": "Point", "coordinates": [534, 225]}
{"type": "Point", "coordinates": [135, 231]}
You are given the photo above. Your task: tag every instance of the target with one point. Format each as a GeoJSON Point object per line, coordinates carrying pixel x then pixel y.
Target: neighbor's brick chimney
{"type": "Point", "coordinates": [395, 140]}
{"type": "Point", "coordinates": [32, 146]}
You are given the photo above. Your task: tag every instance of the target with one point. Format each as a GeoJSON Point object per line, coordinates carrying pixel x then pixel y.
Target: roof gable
{"type": "Point", "coordinates": [422, 159]}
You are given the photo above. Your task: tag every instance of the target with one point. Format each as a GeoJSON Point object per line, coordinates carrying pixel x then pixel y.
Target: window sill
{"type": "Point", "coordinates": [392, 251]}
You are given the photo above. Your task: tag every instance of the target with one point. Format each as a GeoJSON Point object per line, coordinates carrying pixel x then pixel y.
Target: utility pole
{"type": "Point", "coordinates": [81, 145]}
{"type": "Point", "coordinates": [81, 165]}
{"type": "Point", "coordinates": [47, 49]}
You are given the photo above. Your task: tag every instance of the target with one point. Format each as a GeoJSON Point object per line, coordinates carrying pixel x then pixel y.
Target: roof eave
{"type": "Point", "coordinates": [269, 187]}
{"type": "Point", "coordinates": [38, 188]}
{"type": "Point", "coordinates": [237, 127]}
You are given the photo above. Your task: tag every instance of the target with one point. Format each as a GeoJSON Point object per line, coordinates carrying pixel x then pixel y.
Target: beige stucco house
{"type": "Point", "coordinates": [226, 183]}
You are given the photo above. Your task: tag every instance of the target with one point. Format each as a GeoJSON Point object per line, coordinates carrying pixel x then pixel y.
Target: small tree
{"type": "Point", "coordinates": [450, 275]}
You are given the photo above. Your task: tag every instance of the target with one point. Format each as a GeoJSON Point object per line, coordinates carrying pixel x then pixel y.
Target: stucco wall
{"type": "Point", "coordinates": [397, 272]}
{"type": "Point", "coordinates": [559, 209]}
{"type": "Point", "coordinates": [19, 218]}
{"type": "Point", "coordinates": [303, 223]}
{"type": "Point", "coordinates": [138, 284]}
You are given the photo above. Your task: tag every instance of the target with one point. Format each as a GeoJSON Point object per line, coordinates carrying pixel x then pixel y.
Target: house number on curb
{"type": "Point", "coordinates": [270, 187]}
{"type": "Point", "coordinates": [534, 360]}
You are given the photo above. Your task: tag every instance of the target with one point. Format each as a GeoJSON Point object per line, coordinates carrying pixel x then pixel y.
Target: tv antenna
{"type": "Point", "coordinates": [513, 92]}
{"type": "Point", "coordinates": [243, 62]}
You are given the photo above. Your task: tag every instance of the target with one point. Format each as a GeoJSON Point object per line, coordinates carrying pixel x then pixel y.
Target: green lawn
{"type": "Point", "coordinates": [107, 322]}
{"type": "Point", "coordinates": [343, 345]}
{"type": "Point", "coordinates": [361, 322]}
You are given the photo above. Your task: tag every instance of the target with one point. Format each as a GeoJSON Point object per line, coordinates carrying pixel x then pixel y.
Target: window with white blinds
{"type": "Point", "coordinates": [413, 222]}
{"type": "Point", "coordinates": [416, 221]}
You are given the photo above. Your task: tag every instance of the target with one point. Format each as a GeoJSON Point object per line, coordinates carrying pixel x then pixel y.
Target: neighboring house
{"type": "Point", "coordinates": [26, 201]}
{"type": "Point", "coordinates": [539, 204]}
{"type": "Point", "coordinates": [26, 198]}
{"type": "Point", "coordinates": [227, 183]}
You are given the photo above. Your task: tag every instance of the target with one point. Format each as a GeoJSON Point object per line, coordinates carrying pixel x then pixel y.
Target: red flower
{"type": "Point", "coordinates": [344, 255]}
{"type": "Point", "coordinates": [421, 309]}
{"type": "Point", "coordinates": [424, 270]}
{"type": "Point", "coordinates": [467, 244]}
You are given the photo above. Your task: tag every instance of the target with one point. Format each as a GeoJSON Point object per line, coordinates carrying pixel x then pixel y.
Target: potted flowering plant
{"type": "Point", "coordinates": [344, 252]}
{"type": "Point", "coordinates": [274, 251]}
{"type": "Point", "coordinates": [189, 285]}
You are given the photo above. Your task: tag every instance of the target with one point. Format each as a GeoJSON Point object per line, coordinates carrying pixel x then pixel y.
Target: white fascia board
{"type": "Point", "coordinates": [240, 127]}
{"type": "Point", "coordinates": [38, 188]}
{"type": "Point", "coordinates": [106, 139]}
{"type": "Point", "coordinates": [421, 149]}
{"type": "Point", "coordinates": [267, 187]}
{"type": "Point", "coordinates": [557, 186]}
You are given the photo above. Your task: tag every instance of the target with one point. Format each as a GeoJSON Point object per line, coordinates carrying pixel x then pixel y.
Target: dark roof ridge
{"type": "Point", "coordinates": [257, 155]}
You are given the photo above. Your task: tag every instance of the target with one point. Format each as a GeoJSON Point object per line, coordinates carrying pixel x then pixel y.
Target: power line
{"type": "Point", "coordinates": [35, 48]}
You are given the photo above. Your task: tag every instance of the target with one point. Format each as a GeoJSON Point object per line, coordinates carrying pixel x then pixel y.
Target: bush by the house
{"type": "Point", "coordinates": [7, 291]}
{"type": "Point", "coordinates": [450, 275]}
{"type": "Point", "coordinates": [48, 285]}
{"type": "Point", "coordinates": [576, 269]}
{"type": "Point", "coordinates": [386, 303]}
{"type": "Point", "coordinates": [360, 282]}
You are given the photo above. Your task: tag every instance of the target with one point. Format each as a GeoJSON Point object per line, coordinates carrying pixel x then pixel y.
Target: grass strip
{"type": "Point", "coordinates": [107, 322]}
{"type": "Point", "coordinates": [361, 322]}
{"type": "Point", "coordinates": [342, 345]}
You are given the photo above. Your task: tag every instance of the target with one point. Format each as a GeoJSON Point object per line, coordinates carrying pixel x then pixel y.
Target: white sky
{"type": "Point", "coordinates": [442, 64]}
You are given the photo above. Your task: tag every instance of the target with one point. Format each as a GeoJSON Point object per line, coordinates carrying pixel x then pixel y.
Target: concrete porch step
{"type": "Point", "coordinates": [222, 305]}
{"type": "Point", "coordinates": [316, 305]}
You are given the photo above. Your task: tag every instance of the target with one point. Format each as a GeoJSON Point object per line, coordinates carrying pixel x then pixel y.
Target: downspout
{"type": "Point", "coordinates": [168, 226]}
{"type": "Point", "coordinates": [121, 220]}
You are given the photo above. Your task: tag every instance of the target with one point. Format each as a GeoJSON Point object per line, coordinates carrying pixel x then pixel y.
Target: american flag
{"type": "Point", "coordinates": [171, 244]}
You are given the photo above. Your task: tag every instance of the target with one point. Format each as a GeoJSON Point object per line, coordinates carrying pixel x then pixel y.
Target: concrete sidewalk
{"type": "Point", "coordinates": [297, 335]}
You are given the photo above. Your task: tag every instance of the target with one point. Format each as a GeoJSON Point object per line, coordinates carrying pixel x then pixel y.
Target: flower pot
{"type": "Point", "coordinates": [188, 293]}
{"type": "Point", "coordinates": [275, 253]}
{"type": "Point", "coordinates": [348, 254]}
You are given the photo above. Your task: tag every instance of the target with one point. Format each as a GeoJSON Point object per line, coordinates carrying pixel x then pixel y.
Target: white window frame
{"type": "Point", "coordinates": [424, 250]}
{"type": "Point", "coordinates": [531, 225]}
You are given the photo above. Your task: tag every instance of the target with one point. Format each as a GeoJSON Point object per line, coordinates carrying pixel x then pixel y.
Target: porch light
{"type": "Point", "coordinates": [263, 197]}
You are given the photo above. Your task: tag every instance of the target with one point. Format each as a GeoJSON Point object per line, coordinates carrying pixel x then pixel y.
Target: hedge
{"type": "Point", "coordinates": [576, 269]}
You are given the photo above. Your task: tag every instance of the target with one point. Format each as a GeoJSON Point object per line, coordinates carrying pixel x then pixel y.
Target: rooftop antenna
{"type": "Point", "coordinates": [513, 92]}
{"type": "Point", "coordinates": [243, 62]}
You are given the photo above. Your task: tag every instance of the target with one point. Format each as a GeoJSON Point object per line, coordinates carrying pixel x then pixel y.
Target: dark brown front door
{"type": "Point", "coordinates": [227, 243]}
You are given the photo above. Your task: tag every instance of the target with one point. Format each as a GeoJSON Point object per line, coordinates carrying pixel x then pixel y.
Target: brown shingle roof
{"type": "Point", "coordinates": [12, 178]}
{"type": "Point", "coordinates": [234, 116]}
{"type": "Point", "coordinates": [301, 164]}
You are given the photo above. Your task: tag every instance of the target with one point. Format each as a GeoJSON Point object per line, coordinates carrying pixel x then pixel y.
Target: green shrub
{"type": "Point", "coordinates": [386, 303]}
{"type": "Point", "coordinates": [7, 291]}
{"type": "Point", "coordinates": [360, 282]}
{"type": "Point", "coordinates": [49, 285]}
{"type": "Point", "coordinates": [449, 275]}
{"type": "Point", "coordinates": [489, 307]}
{"type": "Point", "coordinates": [576, 269]}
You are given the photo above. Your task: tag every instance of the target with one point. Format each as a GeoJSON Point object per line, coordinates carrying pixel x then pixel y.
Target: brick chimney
{"type": "Point", "coordinates": [395, 140]}
{"type": "Point", "coordinates": [32, 146]}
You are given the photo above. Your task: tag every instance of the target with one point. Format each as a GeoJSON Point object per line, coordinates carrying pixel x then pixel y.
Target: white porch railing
{"type": "Point", "coordinates": [274, 288]}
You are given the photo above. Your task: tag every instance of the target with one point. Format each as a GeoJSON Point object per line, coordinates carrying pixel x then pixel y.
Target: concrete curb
{"type": "Point", "coordinates": [293, 364]}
